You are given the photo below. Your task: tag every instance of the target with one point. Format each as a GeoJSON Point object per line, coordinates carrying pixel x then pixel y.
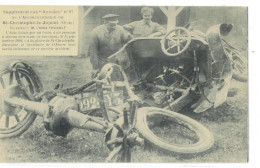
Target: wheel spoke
{"type": "Point", "coordinates": [183, 40]}
{"type": "Point", "coordinates": [17, 77]}
{"type": "Point", "coordinates": [239, 64]}
{"type": "Point", "coordinates": [180, 38]}
{"type": "Point", "coordinates": [17, 118]}
{"type": "Point", "coordinates": [170, 47]}
{"type": "Point", "coordinates": [11, 78]}
{"type": "Point", "coordinates": [171, 44]}
{"type": "Point", "coordinates": [7, 121]}
{"type": "Point", "coordinates": [2, 82]}
{"type": "Point", "coordinates": [240, 68]}
{"type": "Point", "coordinates": [30, 84]}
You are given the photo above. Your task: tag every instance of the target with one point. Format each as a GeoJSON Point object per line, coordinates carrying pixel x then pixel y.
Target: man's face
{"type": "Point", "coordinates": [147, 16]}
{"type": "Point", "coordinates": [111, 25]}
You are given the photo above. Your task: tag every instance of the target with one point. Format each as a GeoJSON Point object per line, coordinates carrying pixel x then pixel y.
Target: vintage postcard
{"type": "Point", "coordinates": [149, 84]}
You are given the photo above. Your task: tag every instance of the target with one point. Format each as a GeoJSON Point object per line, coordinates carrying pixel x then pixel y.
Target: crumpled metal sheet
{"type": "Point", "coordinates": [221, 65]}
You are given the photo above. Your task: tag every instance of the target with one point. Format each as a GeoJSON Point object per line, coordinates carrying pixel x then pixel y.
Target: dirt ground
{"type": "Point", "coordinates": [228, 123]}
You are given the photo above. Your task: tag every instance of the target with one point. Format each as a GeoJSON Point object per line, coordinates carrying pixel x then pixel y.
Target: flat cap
{"type": "Point", "coordinates": [110, 16]}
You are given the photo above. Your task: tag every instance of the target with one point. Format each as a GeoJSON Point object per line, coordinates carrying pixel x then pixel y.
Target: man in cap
{"type": "Point", "coordinates": [106, 40]}
{"type": "Point", "coordinates": [145, 27]}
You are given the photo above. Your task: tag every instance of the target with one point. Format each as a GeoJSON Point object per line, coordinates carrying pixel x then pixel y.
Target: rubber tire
{"type": "Point", "coordinates": [26, 122]}
{"type": "Point", "coordinates": [206, 139]}
{"type": "Point", "coordinates": [238, 76]}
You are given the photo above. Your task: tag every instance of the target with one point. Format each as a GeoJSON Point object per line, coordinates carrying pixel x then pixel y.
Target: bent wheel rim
{"type": "Point", "coordinates": [14, 122]}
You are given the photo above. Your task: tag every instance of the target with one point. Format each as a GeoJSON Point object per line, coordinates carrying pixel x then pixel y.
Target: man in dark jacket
{"type": "Point", "coordinates": [106, 40]}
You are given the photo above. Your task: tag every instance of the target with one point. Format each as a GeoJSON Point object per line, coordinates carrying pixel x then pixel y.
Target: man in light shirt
{"type": "Point", "coordinates": [145, 27]}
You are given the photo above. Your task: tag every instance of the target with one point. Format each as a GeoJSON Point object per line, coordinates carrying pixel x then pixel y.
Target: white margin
{"type": "Point", "coordinates": [254, 64]}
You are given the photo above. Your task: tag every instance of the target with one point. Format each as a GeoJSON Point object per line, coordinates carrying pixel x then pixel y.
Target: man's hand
{"type": "Point", "coordinates": [94, 73]}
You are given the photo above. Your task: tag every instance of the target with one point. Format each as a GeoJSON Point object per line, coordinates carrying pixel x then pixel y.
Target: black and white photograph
{"type": "Point", "coordinates": [139, 84]}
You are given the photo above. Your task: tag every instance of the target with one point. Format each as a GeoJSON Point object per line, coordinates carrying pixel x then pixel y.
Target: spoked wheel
{"type": "Point", "coordinates": [239, 64]}
{"type": "Point", "coordinates": [17, 80]}
{"type": "Point", "coordinates": [173, 132]}
{"type": "Point", "coordinates": [176, 41]}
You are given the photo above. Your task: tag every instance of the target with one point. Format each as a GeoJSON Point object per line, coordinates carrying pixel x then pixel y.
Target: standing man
{"type": "Point", "coordinates": [145, 27]}
{"type": "Point", "coordinates": [106, 40]}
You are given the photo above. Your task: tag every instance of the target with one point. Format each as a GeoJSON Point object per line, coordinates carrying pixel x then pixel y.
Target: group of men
{"type": "Point", "coordinates": [109, 37]}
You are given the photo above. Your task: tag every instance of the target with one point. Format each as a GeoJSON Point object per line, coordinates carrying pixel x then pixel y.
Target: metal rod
{"type": "Point", "coordinates": [37, 107]}
{"type": "Point", "coordinates": [73, 117]}
{"type": "Point", "coordinates": [115, 141]}
{"type": "Point", "coordinates": [128, 155]}
{"type": "Point", "coordinates": [126, 124]}
{"type": "Point", "coordinates": [161, 87]}
{"type": "Point", "coordinates": [114, 153]}
{"type": "Point", "coordinates": [102, 100]}
{"type": "Point", "coordinates": [83, 121]}
{"type": "Point", "coordinates": [132, 112]}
